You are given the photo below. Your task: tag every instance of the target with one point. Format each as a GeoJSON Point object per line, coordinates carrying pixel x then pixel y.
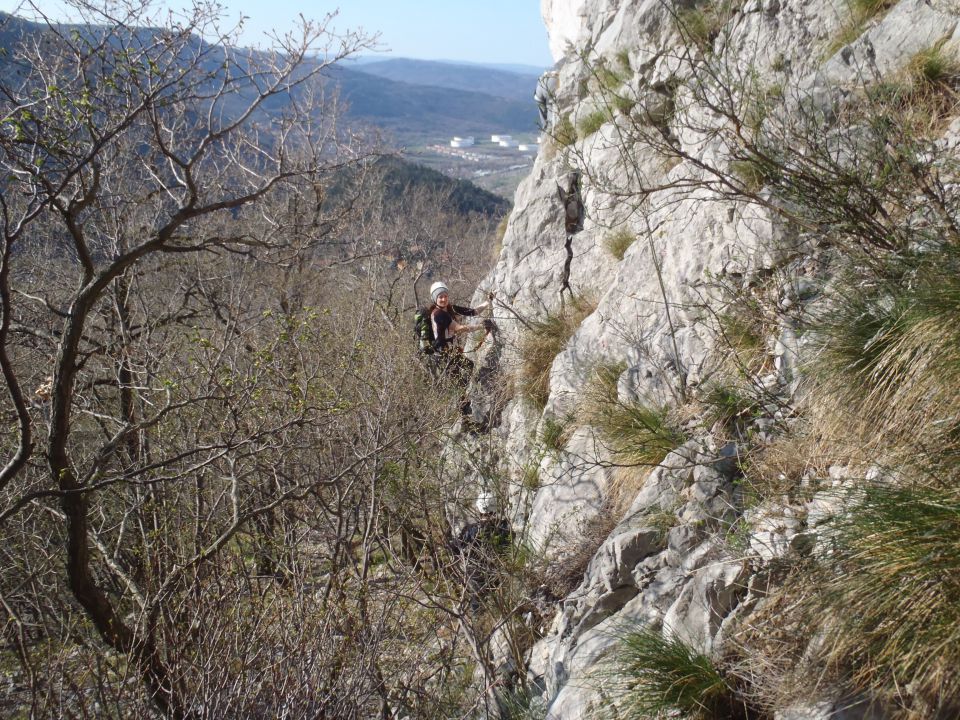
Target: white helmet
{"type": "Point", "coordinates": [486, 503]}
{"type": "Point", "coordinates": [437, 288]}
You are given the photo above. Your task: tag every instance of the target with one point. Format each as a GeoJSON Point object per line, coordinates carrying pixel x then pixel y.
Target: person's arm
{"type": "Point", "coordinates": [460, 328]}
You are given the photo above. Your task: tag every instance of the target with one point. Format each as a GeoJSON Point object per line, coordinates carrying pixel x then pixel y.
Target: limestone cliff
{"type": "Point", "coordinates": [666, 115]}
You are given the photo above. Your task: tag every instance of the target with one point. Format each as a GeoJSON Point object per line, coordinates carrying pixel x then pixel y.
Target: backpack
{"type": "Point", "coordinates": [423, 330]}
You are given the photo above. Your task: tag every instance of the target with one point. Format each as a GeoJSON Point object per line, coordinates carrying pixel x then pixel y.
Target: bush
{"type": "Point", "coordinates": [542, 342]}
{"type": "Point", "coordinates": [663, 676]}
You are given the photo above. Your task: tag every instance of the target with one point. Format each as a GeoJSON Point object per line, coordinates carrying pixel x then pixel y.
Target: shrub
{"type": "Point", "coordinates": [542, 342]}
{"type": "Point", "coordinates": [663, 676]}
{"type": "Point", "coordinates": [637, 434]}
{"type": "Point", "coordinates": [893, 594]}
{"type": "Point", "coordinates": [617, 242]}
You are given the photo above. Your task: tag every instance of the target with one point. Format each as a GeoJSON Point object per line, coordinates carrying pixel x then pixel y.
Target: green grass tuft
{"type": "Point", "coordinates": [554, 433]}
{"type": "Point", "coordinates": [889, 353]}
{"type": "Point", "coordinates": [664, 676]}
{"type": "Point", "coordinates": [636, 433]}
{"type": "Point", "coordinates": [593, 121]}
{"type": "Point", "coordinates": [934, 66]}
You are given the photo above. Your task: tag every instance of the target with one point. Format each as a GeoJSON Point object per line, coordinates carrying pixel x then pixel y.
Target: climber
{"type": "Point", "coordinates": [544, 96]}
{"type": "Point", "coordinates": [438, 327]}
{"type": "Point", "coordinates": [478, 545]}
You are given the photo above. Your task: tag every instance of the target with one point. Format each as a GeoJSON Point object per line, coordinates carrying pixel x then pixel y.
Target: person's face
{"type": "Point", "coordinates": [442, 300]}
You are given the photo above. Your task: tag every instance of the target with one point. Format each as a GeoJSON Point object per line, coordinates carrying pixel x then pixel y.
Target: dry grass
{"type": "Point", "coordinates": [542, 342]}
{"type": "Point", "coordinates": [617, 242]}
{"type": "Point", "coordinates": [890, 598]}
{"type": "Point", "coordinates": [889, 362]}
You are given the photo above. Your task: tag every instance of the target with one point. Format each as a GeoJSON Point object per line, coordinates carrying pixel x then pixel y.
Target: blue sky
{"type": "Point", "coordinates": [498, 31]}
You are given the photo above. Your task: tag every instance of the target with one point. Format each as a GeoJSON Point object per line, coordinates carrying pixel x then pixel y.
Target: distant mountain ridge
{"type": "Point", "coordinates": [412, 112]}
{"type": "Point", "coordinates": [470, 78]}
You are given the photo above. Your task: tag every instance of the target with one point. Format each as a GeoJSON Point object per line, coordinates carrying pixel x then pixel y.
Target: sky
{"type": "Point", "coordinates": [487, 31]}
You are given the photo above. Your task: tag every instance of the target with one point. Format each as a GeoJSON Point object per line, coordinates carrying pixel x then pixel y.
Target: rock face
{"type": "Point", "coordinates": [626, 73]}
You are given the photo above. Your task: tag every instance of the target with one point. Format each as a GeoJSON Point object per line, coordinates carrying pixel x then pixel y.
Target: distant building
{"type": "Point", "coordinates": [524, 147]}
{"type": "Point", "coordinates": [500, 139]}
{"type": "Point", "coordinates": [462, 142]}
{"type": "Point", "coordinates": [507, 141]}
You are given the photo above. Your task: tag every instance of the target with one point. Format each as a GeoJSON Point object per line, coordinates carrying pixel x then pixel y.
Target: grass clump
{"type": "Point", "coordinates": [934, 67]}
{"type": "Point", "coordinates": [701, 25]}
{"type": "Point", "coordinates": [637, 434]}
{"type": "Point", "coordinates": [728, 403]}
{"type": "Point", "coordinates": [564, 132]}
{"type": "Point", "coordinates": [617, 242]}
{"type": "Point", "coordinates": [542, 342]}
{"type": "Point", "coordinates": [555, 433]}
{"type": "Point", "coordinates": [750, 173]}
{"type": "Point", "coordinates": [743, 332]}
{"type": "Point", "coordinates": [592, 122]}
{"type": "Point", "coordinates": [610, 79]}
{"type": "Point", "coordinates": [889, 353]}
{"type": "Point", "coordinates": [893, 595]}
{"type": "Point", "coordinates": [861, 12]}
{"type": "Point", "coordinates": [663, 676]}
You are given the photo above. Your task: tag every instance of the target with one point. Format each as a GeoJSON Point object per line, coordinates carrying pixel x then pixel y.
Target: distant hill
{"type": "Point", "coordinates": [516, 68]}
{"type": "Point", "coordinates": [419, 112]}
{"type": "Point", "coordinates": [471, 78]}
{"type": "Point", "coordinates": [411, 113]}
{"type": "Point", "coordinates": [399, 178]}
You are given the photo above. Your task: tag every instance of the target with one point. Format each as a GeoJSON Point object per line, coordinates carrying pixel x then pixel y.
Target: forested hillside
{"type": "Point", "coordinates": [222, 492]}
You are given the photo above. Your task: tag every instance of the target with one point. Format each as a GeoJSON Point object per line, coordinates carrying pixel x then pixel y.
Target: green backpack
{"type": "Point", "coordinates": [423, 329]}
